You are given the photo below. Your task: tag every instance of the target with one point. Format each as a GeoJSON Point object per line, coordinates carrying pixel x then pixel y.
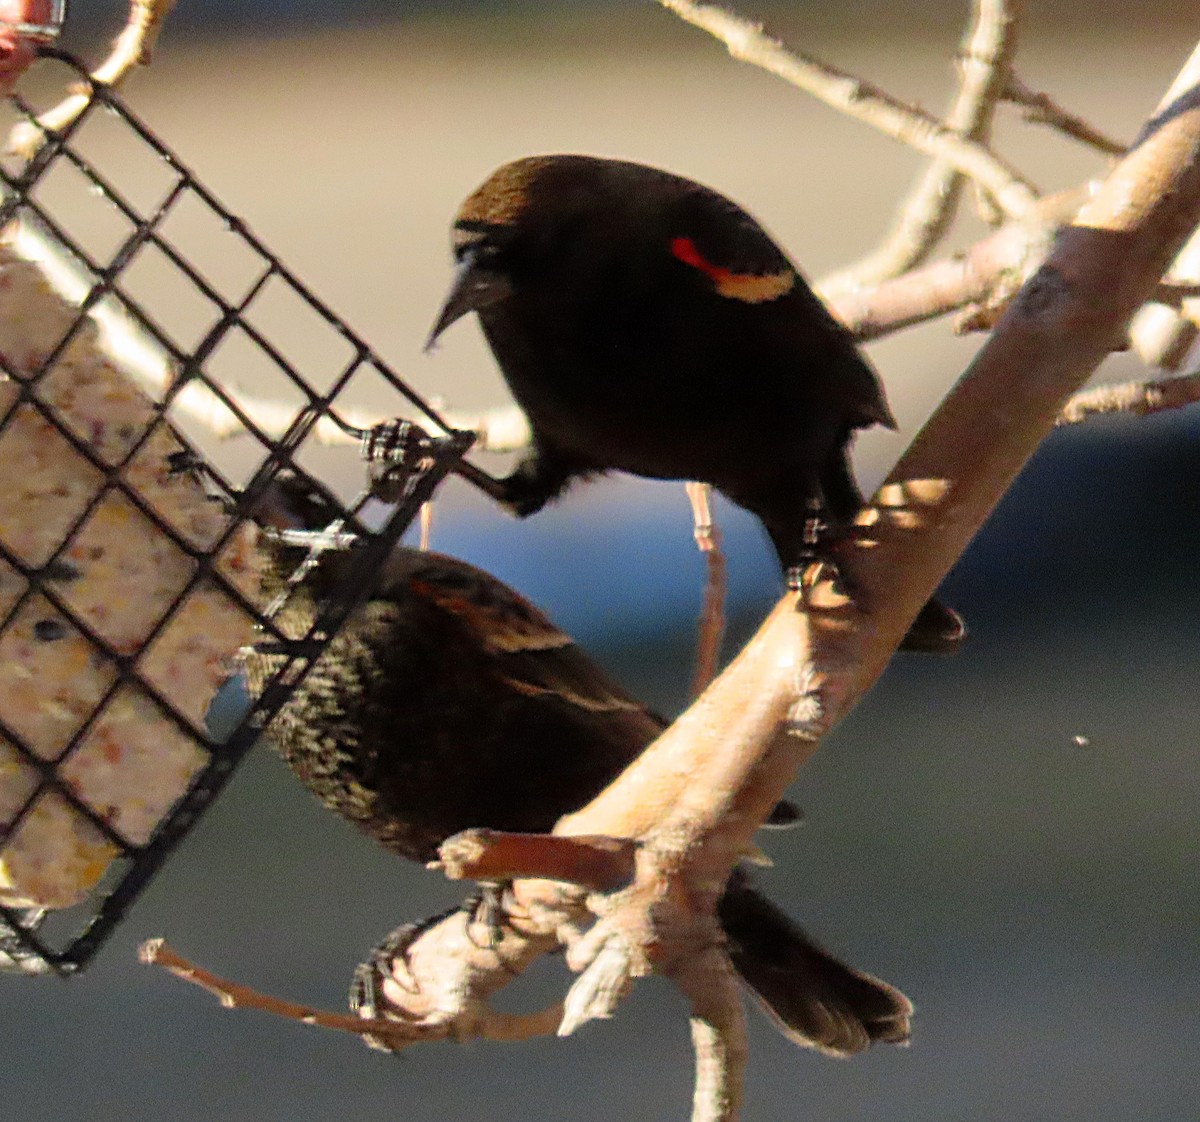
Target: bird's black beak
{"type": "Point", "coordinates": [475, 286]}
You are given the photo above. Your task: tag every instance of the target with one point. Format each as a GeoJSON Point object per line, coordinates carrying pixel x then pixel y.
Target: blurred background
{"type": "Point", "coordinates": [1009, 836]}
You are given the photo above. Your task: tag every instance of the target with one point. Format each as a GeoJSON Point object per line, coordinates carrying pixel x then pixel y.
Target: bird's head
{"type": "Point", "coordinates": [544, 220]}
{"type": "Point", "coordinates": [487, 227]}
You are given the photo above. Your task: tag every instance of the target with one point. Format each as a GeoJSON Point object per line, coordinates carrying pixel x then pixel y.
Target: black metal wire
{"type": "Point", "coordinates": [413, 469]}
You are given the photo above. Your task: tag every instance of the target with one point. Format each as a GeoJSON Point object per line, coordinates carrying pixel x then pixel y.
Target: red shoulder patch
{"type": "Point", "coordinates": [753, 288]}
{"type": "Point", "coordinates": [685, 250]}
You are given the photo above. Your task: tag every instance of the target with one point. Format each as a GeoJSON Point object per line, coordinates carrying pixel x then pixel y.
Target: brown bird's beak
{"type": "Point", "coordinates": [475, 286]}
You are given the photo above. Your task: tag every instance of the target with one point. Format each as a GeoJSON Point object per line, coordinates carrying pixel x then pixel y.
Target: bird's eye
{"type": "Point", "coordinates": [463, 240]}
{"type": "Point", "coordinates": [485, 242]}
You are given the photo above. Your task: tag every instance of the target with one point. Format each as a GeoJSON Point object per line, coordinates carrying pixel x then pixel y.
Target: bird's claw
{"type": "Point", "coordinates": [486, 907]}
{"type": "Point", "coordinates": [366, 996]}
{"type": "Point", "coordinates": [396, 452]}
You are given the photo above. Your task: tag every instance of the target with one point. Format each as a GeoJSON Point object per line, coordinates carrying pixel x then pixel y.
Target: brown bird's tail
{"type": "Point", "coordinates": [815, 1000]}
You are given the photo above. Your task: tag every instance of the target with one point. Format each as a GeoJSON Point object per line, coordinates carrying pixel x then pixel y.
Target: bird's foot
{"type": "Point", "coordinates": [486, 908]}
{"type": "Point", "coordinates": [366, 988]}
{"type": "Point", "coordinates": [816, 558]}
{"type": "Point", "coordinates": [937, 628]}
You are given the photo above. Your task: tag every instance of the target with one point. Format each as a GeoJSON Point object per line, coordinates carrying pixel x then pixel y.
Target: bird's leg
{"type": "Point", "coordinates": [491, 486]}
{"type": "Point", "coordinates": [366, 996]}
{"type": "Point", "coordinates": [937, 628]}
{"type": "Point", "coordinates": [486, 907]}
{"type": "Point", "coordinates": [539, 477]}
{"type": "Point", "coordinates": [814, 549]}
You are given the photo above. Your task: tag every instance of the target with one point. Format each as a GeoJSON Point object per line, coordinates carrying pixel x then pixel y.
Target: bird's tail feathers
{"type": "Point", "coordinates": [814, 999]}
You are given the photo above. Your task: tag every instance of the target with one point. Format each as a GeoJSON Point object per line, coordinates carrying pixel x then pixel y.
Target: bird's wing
{"type": "Point", "coordinates": [533, 656]}
{"type": "Point", "coordinates": [715, 236]}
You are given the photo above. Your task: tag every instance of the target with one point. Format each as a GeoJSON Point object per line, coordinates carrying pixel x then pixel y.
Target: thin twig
{"type": "Point", "coordinates": [395, 1033]}
{"type": "Point", "coordinates": [1163, 332]}
{"type": "Point", "coordinates": [425, 522]}
{"type": "Point", "coordinates": [982, 279]}
{"type": "Point", "coordinates": [1139, 399]}
{"type": "Point", "coordinates": [597, 863]}
{"type": "Point", "coordinates": [984, 71]}
{"type": "Point", "coordinates": [1041, 109]}
{"type": "Point", "coordinates": [133, 48]}
{"type": "Point", "coordinates": [711, 627]}
{"type": "Point", "coordinates": [499, 430]}
{"type": "Point", "coordinates": [863, 101]}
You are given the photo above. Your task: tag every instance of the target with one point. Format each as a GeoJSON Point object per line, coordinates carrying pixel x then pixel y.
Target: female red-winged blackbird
{"type": "Point", "coordinates": [448, 701]}
{"type": "Point", "coordinates": [647, 324]}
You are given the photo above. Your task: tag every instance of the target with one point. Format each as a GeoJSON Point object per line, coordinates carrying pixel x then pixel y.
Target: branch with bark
{"type": "Point", "coordinates": [132, 48]}
{"type": "Point", "coordinates": [628, 885]}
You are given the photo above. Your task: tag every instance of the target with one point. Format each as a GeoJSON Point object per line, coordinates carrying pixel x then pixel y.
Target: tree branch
{"type": "Point", "coordinates": [696, 795]}
{"type": "Point", "coordinates": [983, 279]}
{"type": "Point", "coordinates": [864, 101]}
{"type": "Point", "coordinates": [1041, 109]}
{"type": "Point", "coordinates": [694, 799]}
{"type": "Point", "coordinates": [985, 70]}
{"type": "Point", "coordinates": [1138, 399]}
{"type": "Point", "coordinates": [718, 1024]}
{"type": "Point", "coordinates": [392, 1032]}
{"type": "Point", "coordinates": [597, 863]}
{"type": "Point", "coordinates": [711, 629]}
{"type": "Point", "coordinates": [1163, 336]}
{"type": "Point", "coordinates": [132, 49]}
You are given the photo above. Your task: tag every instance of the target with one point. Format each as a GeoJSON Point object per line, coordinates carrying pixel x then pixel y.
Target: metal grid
{"type": "Point", "coordinates": [207, 305]}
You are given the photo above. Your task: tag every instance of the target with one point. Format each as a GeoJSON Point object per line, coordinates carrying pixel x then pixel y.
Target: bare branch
{"type": "Point", "coordinates": [1041, 109]}
{"type": "Point", "coordinates": [597, 863]}
{"type": "Point", "coordinates": [1135, 398]}
{"type": "Point", "coordinates": [985, 69]}
{"type": "Point", "coordinates": [500, 430]}
{"type": "Point", "coordinates": [1164, 336]}
{"type": "Point", "coordinates": [132, 49]}
{"type": "Point", "coordinates": [984, 278]}
{"type": "Point", "coordinates": [392, 1032]}
{"type": "Point", "coordinates": [694, 799]}
{"type": "Point", "coordinates": [600, 987]}
{"type": "Point", "coordinates": [863, 101]}
{"type": "Point", "coordinates": [712, 616]}
{"type": "Point", "coordinates": [719, 1039]}
{"type": "Point", "coordinates": [696, 795]}
{"type": "Point", "coordinates": [1164, 332]}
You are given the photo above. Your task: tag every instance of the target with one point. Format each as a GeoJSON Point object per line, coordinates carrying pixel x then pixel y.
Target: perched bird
{"type": "Point", "coordinates": [647, 324]}
{"type": "Point", "coordinates": [448, 701]}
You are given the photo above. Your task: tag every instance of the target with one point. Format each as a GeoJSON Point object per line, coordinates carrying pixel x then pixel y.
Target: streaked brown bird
{"type": "Point", "coordinates": [647, 324]}
{"type": "Point", "coordinates": [449, 701]}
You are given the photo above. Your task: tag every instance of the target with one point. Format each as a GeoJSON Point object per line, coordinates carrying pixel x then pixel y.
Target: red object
{"type": "Point", "coordinates": [685, 249]}
{"type": "Point", "coordinates": [18, 43]}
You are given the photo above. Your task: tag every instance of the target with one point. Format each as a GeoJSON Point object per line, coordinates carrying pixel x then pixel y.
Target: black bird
{"type": "Point", "coordinates": [448, 701]}
{"type": "Point", "coordinates": [647, 324]}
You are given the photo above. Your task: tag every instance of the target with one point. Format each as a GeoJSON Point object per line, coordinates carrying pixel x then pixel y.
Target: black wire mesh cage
{"type": "Point", "coordinates": [159, 367]}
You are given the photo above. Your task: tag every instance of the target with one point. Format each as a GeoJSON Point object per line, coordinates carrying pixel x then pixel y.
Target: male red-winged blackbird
{"type": "Point", "coordinates": [647, 324]}
{"type": "Point", "coordinates": [448, 701]}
